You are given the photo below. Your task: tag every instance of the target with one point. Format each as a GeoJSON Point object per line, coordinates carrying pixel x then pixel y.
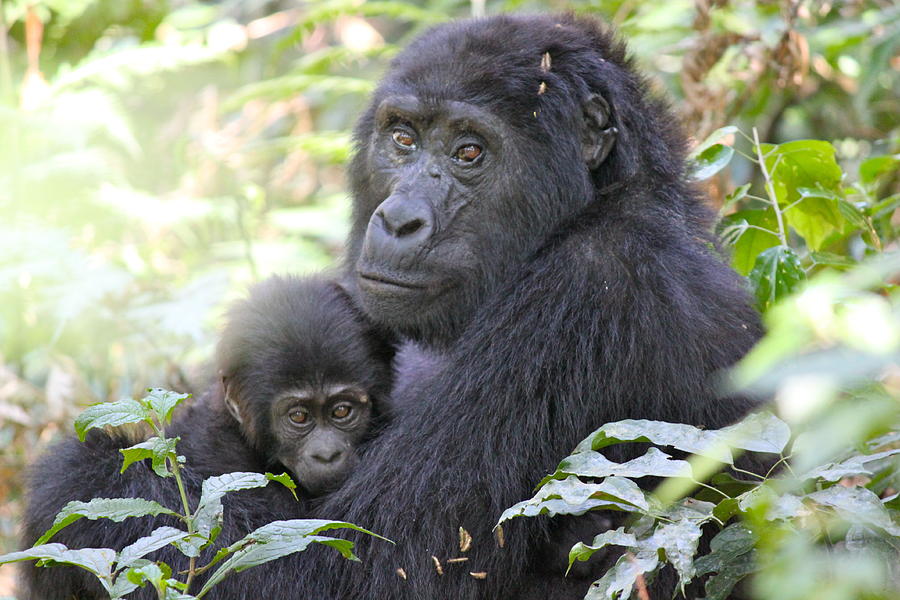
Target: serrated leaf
{"type": "Point", "coordinates": [571, 496]}
{"type": "Point", "coordinates": [96, 560]}
{"type": "Point", "coordinates": [776, 274]}
{"type": "Point", "coordinates": [679, 540]}
{"type": "Point", "coordinates": [285, 480]}
{"type": "Point", "coordinates": [154, 573]}
{"type": "Point", "coordinates": [208, 515]}
{"type": "Point", "coordinates": [618, 537]}
{"type": "Point", "coordinates": [677, 435]}
{"type": "Point", "coordinates": [853, 466]}
{"type": "Point", "coordinates": [711, 160]}
{"type": "Point", "coordinates": [654, 463]}
{"type": "Point", "coordinates": [115, 509]}
{"type": "Point", "coordinates": [161, 536]}
{"type": "Point", "coordinates": [278, 539]}
{"type": "Point", "coordinates": [112, 414]}
{"type": "Point", "coordinates": [156, 449]}
{"type": "Point", "coordinates": [618, 582]}
{"type": "Point", "coordinates": [759, 432]}
{"type": "Point", "coordinates": [857, 505]}
{"type": "Point", "coordinates": [163, 402]}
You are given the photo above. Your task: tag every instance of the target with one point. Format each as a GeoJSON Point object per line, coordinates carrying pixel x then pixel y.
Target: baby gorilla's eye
{"type": "Point", "coordinates": [299, 416]}
{"type": "Point", "coordinates": [403, 139]}
{"type": "Point", "coordinates": [467, 153]}
{"type": "Point", "coordinates": [341, 411]}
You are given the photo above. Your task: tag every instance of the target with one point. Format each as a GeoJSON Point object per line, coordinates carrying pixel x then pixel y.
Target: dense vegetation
{"type": "Point", "coordinates": [155, 157]}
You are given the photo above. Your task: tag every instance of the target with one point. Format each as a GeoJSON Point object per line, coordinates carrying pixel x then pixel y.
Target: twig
{"type": "Point", "coordinates": [770, 188]}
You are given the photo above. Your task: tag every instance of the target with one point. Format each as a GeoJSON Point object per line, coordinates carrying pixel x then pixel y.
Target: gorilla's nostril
{"type": "Point", "coordinates": [328, 458]}
{"type": "Point", "coordinates": [410, 228]}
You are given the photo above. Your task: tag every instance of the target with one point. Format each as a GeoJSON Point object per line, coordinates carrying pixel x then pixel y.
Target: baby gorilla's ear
{"type": "Point", "coordinates": [231, 404]}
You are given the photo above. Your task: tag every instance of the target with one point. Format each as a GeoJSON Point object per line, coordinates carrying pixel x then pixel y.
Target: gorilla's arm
{"type": "Point", "coordinates": [620, 317]}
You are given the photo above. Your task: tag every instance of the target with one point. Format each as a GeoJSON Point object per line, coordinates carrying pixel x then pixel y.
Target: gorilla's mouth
{"type": "Point", "coordinates": [377, 281]}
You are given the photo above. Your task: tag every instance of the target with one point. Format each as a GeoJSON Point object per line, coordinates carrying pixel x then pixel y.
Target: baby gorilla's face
{"type": "Point", "coordinates": [317, 430]}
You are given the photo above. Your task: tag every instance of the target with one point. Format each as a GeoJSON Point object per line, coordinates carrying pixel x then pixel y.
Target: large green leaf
{"type": "Point", "coordinates": [571, 496]}
{"type": "Point", "coordinates": [161, 536]}
{"type": "Point", "coordinates": [731, 558]}
{"type": "Point", "coordinates": [618, 582]}
{"type": "Point", "coordinates": [208, 516]}
{"type": "Point", "coordinates": [163, 402]}
{"type": "Point", "coordinates": [96, 560]}
{"type": "Point", "coordinates": [654, 463]}
{"type": "Point", "coordinates": [112, 414]}
{"type": "Point", "coordinates": [278, 539]}
{"type": "Point", "coordinates": [776, 274]}
{"type": "Point", "coordinates": [115, 509]}
{"type": "Point", "coordinates": [816, 216]}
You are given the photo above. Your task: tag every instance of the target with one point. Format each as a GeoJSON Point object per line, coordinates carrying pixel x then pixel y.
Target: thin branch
{"type": "Point", "coordinates": [770, 187]}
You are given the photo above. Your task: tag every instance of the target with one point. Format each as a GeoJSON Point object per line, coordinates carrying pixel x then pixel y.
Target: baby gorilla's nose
{"type": "Point", "coordinates": [328, 456]}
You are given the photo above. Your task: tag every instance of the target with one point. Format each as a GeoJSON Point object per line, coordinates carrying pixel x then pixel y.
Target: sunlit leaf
{"type": "Point", "coordinates": [776, 274]}
{"type": "Point", "coordinates": [115, 509]}
{"type": "Point", "coordinates": [112, 414]}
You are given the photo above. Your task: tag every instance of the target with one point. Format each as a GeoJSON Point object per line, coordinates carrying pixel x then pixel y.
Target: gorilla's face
{"type": "Point", "coordinates": [437, 237]}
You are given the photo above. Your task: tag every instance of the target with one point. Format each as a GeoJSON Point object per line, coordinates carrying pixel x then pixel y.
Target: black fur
{"type": "Point", "coordinates": [588, 297]}
{"type": "Point", "coordinates": [290, 332]}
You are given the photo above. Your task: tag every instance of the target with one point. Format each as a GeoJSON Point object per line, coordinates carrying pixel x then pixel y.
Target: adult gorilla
{"type": "Point", "coordinates": [523, 211]}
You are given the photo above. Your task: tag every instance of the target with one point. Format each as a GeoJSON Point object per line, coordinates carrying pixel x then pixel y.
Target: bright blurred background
{"type": "Point", "coordinates": [157, 156]}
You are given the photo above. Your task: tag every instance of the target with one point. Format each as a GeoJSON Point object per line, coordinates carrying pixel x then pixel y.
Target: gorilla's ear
{"type": "Point", "coordinates": [597, 136]}
{"type": "Point", "coordinates": [231, 404]}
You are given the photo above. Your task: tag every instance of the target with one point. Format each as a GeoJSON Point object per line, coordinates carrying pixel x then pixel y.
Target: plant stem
{"type": "Point", "coordinates": [770, 188]}
{"type": "Point", "coordinates": [188, 516]}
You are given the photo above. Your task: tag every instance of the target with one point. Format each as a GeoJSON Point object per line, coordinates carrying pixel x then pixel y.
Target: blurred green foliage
{"type": "Point", "coordinates": [158, 155]}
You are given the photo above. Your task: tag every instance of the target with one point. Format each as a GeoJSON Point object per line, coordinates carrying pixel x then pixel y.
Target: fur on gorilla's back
{"type": "Point", "coordinates": [615, 305]}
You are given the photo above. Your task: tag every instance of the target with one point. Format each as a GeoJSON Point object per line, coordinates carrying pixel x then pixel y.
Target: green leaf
{"type": "Point", "coordinates": [857, 505]}
{"type": "Point", "coordinates": [278, 539]}
{"type": "Point", "coordinates": [679, 540]}
{"type": "Point", "coordinates": [711, 161]}
{"type": "Point", "coordinates": [163, 402]}
{"type": "Point", "coordinates": [853, 466]}
{"type": "Point", "coordinates": [285, 480]}
{"type": "Point", "coordinates": [731, 557]}
{"type": "Point", "coordinates": [154, 573]}
{"type": "Point", "coordinates": [759, 432]}
{"type": "Point", "coordinates": [872, 169]}
{"type": "Point", "coordinates": [776, 274]}
{"type": "Point", "coordinates": [571, 496]}
{"type": "Point", "coordinates": [161, 536]}
{"type": "Point", "coordinates": [734, 197]}
{"type": "Point", "coordinates": [593, 464]}
{"type": "Point", "coordinates": [618, 582]}
{"type": "Point", "coordinates": [677, 435]}
{"type": "Point", "coordinates": [156, 449]}
{"type": "Point", "coordinates": [208, 516]}
{"type": "Point", "coordinates": [115, 509]}
{"type": "Point", "coordinates": [112, 414]}
{"type": "Point", "coordinates": [713, 139]}
{"type": "Point", "coordinates": [96, 560]}
{"type": "Point", "coordinates": [618, 537]}
{"type": "Point", "coordinates": [740, 231]}
{"type": "Point", "coordinates": [816, 216]}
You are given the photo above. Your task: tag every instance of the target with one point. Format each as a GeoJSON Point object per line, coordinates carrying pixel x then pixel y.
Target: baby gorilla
{"type": "Point", "coordinates": [299, 370]}
{"type": "Point", "coordinates": [303, 374]}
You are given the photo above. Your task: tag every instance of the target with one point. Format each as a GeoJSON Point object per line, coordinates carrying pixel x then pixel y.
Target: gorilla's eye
{"type": "Point", "coordinates": [467, 153]}
{"type": "Point", "coordinates": [341, 411]}
{"type": "Point", "coordinates": [299, 416]}
{"type": "Point", "coordinates": [404, 139]}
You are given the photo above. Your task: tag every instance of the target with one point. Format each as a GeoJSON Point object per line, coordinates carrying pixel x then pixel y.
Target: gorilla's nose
{"type": "Point", "coordinates": [328, 457]}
